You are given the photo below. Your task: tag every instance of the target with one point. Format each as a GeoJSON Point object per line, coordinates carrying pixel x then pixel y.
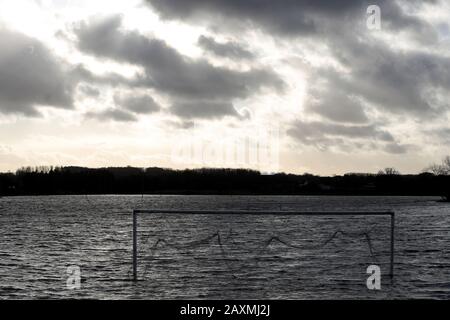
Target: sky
{"type": "Point", "coordinates": [324, 87]}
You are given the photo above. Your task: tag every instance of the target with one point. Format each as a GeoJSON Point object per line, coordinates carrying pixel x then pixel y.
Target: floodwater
{"type": "Point", "coordinates": [44, 241]}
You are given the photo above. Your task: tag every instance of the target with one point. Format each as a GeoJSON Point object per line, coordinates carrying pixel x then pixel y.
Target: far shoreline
{"type": "Point", "coordinates": [53, 181]}
{"type": "Point", "coordinates": [439, 198]}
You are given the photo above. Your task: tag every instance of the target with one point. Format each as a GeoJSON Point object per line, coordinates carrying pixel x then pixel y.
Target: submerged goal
{"type": "Point", "coordinates": [275, 214]}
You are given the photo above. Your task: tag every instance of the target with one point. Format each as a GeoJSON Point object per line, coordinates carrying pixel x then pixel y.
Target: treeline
{"type": "Point", "coordinates": [129, 180]}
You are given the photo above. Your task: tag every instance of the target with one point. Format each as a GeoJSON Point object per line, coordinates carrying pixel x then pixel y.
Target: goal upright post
{"type": "Point", "coordinates": [134, 245]}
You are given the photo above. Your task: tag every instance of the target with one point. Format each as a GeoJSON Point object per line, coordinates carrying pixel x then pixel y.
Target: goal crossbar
{"type": "Point", "coordinates": [136, 212]}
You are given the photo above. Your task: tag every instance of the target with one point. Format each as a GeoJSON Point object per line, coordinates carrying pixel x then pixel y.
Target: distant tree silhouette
{"type": "Point", "coordinates": [77, 180]}
{"type": "Point", "coordinates": [389, 172]}
{"type": "Point", "coordinates": [440, 169]}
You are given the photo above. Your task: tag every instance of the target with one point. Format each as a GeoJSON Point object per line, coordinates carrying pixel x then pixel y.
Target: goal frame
{"type": "Point", "coordinates": [136, 212]}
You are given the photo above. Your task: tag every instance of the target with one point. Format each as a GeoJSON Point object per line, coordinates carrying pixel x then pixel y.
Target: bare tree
{"type": "Point", "coordinates": [389, 172]}
{"type": "Point", "coordinates": [446, 164]}
{"type": "Point", "coordinates": [440, 169]}
{"type": "Point", "coordinates": [436, 169]}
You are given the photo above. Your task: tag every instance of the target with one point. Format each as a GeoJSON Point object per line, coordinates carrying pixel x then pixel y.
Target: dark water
{"type": "Point", "coordinates": [222, 256]}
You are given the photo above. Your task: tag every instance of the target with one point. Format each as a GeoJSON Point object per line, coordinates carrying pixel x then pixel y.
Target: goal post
{"type": "Point", "coordinates": [137, 212]}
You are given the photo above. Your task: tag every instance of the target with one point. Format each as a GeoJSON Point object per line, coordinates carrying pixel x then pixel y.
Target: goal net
{"type": "Point", "coordinates": [278, 252]}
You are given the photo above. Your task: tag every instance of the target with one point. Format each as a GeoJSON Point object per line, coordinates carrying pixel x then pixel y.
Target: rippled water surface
{"type": "Point", "coordinates": [222, 256]}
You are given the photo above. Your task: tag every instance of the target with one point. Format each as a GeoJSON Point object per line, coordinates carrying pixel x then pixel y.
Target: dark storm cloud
{"type": "Point", "coordinates": [325, 134]}
{"type": "Point", "coordinates": [168, 70]}
{"type": "Point", "coordinates": [395, 19]}
{"type": "Point", "coordinates": [396, 148]}
{"type": "Point", "coordinates": [338, 106]}
{"type": "Point", "coordinates": [112, 114]}
{"type": "Point", "coordinates": [31, 76]}
{"type": "Point", "coordinates": [141, 104]}
{"type": "Point", "coordinates": [282, 16]}
{"type": "Point", "coordinates": [80, 73]}
{"type": "Point", "coordinates": [203, 109]}
{"type": "Point", "coordinates": [395, 81]}
{"type": "Point", "coordinates": [288, 17]}
{"type": "Point", "coordinates": [229, 49]}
